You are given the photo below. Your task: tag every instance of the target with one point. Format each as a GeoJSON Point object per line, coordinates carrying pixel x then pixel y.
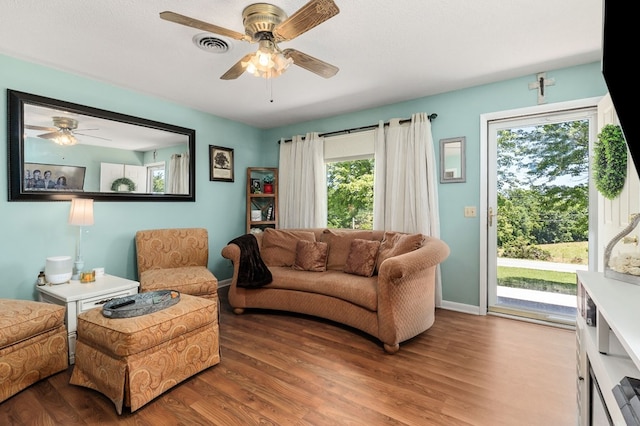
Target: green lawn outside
{"type": "Point", "coordinates": [575, 253]}
{"type": "Point", "coordinates": [555, 282]}
{"type": "Point", "coordinates": [535, 279]}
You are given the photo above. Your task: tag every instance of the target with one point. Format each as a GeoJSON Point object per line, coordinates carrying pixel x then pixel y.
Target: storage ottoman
{"type": "Point", "coordinates": [33, 344]}
{"type": "Point", "coordinates": [133, 360]}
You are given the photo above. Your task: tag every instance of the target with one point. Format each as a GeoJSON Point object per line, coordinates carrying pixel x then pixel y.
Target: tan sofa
{"type": "Point", "coordinates": [175, 259]}
{"type": "Point", "coordinates": [33, 344]}
{"type": "Point", "coordinates": [396, 303]}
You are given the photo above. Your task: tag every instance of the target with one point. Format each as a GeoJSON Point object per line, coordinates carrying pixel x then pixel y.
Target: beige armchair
{"type": "Point", "coordinates": [175, 259]}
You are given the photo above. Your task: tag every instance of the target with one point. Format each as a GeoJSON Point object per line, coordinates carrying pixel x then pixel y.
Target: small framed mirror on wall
{"type": "Point", "coordinates": [452, 160]}
{"type": "Point", "coordinates": [59, 150]}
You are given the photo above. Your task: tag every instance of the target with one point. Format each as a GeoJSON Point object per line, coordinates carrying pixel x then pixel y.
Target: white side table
{"type": "Point", "coordinates": [79, 297]}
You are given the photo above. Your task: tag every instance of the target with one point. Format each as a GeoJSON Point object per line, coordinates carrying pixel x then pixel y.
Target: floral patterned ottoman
{"type": "Point", "coordinates": [33, 344]}
{"type": "Point", "coordinates": [133, 360]}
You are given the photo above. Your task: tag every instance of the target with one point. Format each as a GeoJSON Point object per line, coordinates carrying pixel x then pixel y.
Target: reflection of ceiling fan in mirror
{"type": "Point", "coordinates": [268, 25]}
{"type": "Point", "coordinates": [63, 132]}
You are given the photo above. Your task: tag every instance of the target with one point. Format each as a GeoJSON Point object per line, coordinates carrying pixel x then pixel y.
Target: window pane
{"type": "Point", "coordinates": [350, 194]}
{"type": "Point", "coordinates": [156, 178]}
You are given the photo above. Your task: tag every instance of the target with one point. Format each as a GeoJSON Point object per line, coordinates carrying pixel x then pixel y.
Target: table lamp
{"type": "Point", "coordinates": [81, 214]}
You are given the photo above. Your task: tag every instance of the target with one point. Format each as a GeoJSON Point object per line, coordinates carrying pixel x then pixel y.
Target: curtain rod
{"type": "Point", "coordinates": [431, 117]}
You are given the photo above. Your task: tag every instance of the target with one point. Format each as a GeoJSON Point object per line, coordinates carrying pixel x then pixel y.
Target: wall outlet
{"type": "Point", "coordinates": [470, 211]}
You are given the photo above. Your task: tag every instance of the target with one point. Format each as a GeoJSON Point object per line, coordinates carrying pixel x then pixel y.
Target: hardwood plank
{"type": "Point", "coordinates": [285, 369]}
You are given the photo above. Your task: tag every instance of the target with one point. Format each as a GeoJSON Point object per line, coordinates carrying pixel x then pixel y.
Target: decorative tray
{"type": "Point", "coordinates": [140, 304]}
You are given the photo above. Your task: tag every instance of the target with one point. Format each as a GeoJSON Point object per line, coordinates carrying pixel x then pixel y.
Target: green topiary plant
{"type": "Point", "coordinates": [610, 162]}
{"type": "Point", "coordinates": [268, 179]}
{"type": "Point", "coordinates": [123, 181]}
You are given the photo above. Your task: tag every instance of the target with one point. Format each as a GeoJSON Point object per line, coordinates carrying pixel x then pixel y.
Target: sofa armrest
{"type": "Point", "coordinates": [433, 252]}
{"type": "Point", "coordinates": [406, 291]}
{"type": "Point", "coordinates": [232, 252]}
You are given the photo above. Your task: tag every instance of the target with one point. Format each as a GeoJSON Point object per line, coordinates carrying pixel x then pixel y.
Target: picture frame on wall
{"type": "Point", "coordinates": [53, 177]}
{"type": "Point", "coordinates": [221, 164]}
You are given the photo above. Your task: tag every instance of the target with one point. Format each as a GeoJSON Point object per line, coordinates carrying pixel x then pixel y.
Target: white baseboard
{"type": "Point", "coordinates": [224, 283]}
{"type": "Point", "coordinates": [460, 307]}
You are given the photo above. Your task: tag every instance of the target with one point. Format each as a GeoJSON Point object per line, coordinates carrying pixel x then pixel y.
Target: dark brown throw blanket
{"type": "Point", "coordinates": [252, 273]}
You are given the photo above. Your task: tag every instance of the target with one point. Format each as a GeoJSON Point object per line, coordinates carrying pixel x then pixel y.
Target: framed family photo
{"type": "Point", "coordinates": [53, 177]}
{"type": "Point", "coordinates": [221, 163]}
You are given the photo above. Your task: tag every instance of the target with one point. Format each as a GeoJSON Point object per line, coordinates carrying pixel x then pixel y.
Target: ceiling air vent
{"type": "Point", "coordinates": [210, 43]}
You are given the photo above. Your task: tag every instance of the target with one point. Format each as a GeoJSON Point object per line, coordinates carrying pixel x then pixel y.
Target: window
{"type": "Point", "coordinates": [350, 194]}
{"type": "Point", "coordinates": [350, 165]}
{"type": "Point", "coordinates": [156, 177]}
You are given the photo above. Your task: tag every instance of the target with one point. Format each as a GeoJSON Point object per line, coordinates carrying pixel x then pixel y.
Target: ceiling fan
{"type": "Point", "coordinates": [269, 25]}
{"type": "Point", "coordinates": [63, 132]}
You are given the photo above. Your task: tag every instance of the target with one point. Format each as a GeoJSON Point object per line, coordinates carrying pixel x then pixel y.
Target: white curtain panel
{"type": "Point", "coordinates": [405, 181]}
{"type": "Point", "coordinates": [303, 183]}
{"type": "Point", "coordinates": [179, 174]}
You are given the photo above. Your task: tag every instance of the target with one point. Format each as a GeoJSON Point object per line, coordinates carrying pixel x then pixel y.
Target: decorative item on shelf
{"type": "Point", "coordinates": [610, 161]}
{"type": "Point", "coordinates": [270, 215]}
{"type": "Point", "coordinates": [256, 215]}
{"type": "Point", "coordinates": [256, 186]}
{"type": "Point", "coordinates": [268, 184]}
{"type": "Point", "coordinates": [625, 266]}
{"type": "Point", "coordinates": [123, 184]}
{"type": "Point", "coordinates": [255, 231]}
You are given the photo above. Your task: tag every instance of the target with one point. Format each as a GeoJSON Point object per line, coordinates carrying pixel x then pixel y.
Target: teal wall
{"type": "Point", "coordinates": [459, 115]}
{"type": "Point", "coordinates": [31, 231]}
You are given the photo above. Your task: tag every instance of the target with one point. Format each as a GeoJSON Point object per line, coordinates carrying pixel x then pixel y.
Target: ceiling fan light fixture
{"type": "Point", "coordinates": [65, 138]}
{"type": "Point", "coordinates": [267, 62]}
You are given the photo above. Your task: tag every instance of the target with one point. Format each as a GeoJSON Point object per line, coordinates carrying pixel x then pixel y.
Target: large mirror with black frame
{"type": "Point", "coordinates": [59, 150]}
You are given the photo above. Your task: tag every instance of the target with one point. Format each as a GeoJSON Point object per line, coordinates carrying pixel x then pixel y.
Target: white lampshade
{"type": "Point", "coordinates": [81, 213]}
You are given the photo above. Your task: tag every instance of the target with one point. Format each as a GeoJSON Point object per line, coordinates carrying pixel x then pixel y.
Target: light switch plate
{"type": "Point", "coordinates": [470, 211]}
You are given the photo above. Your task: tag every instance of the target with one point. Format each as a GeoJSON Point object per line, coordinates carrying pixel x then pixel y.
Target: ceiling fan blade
{"type": "Point", "coordinates": [237, 69]}
{"type": "Point", "coordinates": [91, 136]}
{"type": "Point", "coordinates": [51, 135]}
{"type": "Point", "coordinates": [47, 129]}
{"type": "Point", "coordinates": [308, 16]}
{"type": "Point", "coordinates": [309, 63]}
{"type": "Point", "coordinates": [201, 25]}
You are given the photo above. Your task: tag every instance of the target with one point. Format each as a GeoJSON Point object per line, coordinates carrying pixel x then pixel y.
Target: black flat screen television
{"type": "Point", "coordinates": [619, 69]}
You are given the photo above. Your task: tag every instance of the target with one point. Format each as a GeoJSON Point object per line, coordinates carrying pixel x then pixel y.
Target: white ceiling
{"type": "Point", "coordinates": [387, 51]}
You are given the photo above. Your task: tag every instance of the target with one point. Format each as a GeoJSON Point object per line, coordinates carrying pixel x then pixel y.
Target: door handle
{"type": "Point", "coordinates": [491, 215]}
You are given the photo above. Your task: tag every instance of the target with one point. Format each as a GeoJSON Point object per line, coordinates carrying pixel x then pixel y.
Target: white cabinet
{"type": "Point", "coordinates": [80, 297]}
{"type": "Point", "coordinates": [110, 172]}
{"type": "Point", "coordinates": [612, 348]}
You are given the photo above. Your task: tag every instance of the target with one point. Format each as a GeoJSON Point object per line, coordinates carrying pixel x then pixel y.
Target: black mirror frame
{"type": "Point", "coordinates": [16, 101]}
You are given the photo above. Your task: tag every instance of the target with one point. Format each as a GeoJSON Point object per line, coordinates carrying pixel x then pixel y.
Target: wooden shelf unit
{"type": "Point", "coordinates": [612, 347]}
{"type": "Point", "coordinates": [266, 203]}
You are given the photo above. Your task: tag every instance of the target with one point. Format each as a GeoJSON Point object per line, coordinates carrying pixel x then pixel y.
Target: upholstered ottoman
{"type": "Point", "coordinates": [33, 344]}
{"type": "Point", "coordinates": [133, 360]}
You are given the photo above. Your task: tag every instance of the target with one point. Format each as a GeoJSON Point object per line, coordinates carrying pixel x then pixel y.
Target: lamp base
{"type": "Point", "coordinates": [78, 266]}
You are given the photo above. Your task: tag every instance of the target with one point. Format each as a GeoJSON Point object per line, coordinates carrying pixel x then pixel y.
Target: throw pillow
{"type": "Point", "coordinates": [397, 243]}
{"type": "Point", "coordinates": [362, 257]}
{"type": "Point", "coordinates": [339, 245]}
{"type": "Point", "coordinates": [311, 256]}
{"type": "Point", "coordinates": [279, 246]}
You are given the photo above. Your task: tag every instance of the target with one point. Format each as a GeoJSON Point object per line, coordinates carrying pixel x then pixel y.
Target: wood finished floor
{"type": "Point", "coordinates": [283, 369]}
